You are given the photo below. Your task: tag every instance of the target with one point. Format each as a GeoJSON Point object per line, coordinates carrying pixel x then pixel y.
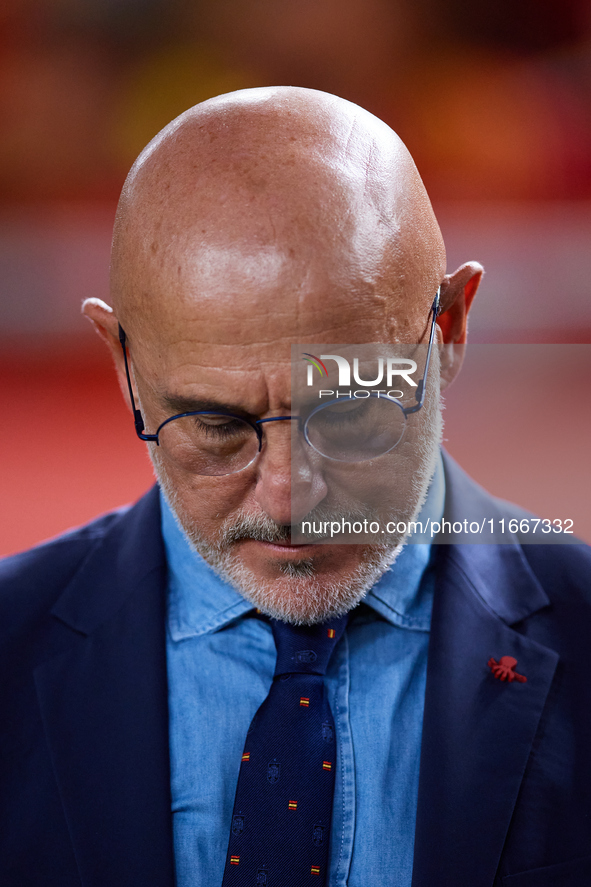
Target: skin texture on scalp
{"type": "Point", "coordinates": [285, 183]}
{"type": "Point", "coordinates": [254, 221]}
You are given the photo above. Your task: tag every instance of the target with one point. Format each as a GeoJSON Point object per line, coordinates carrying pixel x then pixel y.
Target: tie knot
{"type": "Point", "coordinates": [306, 649]}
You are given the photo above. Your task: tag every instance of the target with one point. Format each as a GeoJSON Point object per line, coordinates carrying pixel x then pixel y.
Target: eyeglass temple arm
{"type": "Point", "coordinates": [421, 387]}
{"type": "Point", "coordinates": [137, 416]}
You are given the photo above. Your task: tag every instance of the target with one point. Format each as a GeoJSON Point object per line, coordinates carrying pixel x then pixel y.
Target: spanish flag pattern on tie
{"type": "Point", "coordinates": [282, 810]}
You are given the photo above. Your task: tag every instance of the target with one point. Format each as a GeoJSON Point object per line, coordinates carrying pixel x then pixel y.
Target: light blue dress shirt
{"type": "Point", "coordinates": [221, 660]}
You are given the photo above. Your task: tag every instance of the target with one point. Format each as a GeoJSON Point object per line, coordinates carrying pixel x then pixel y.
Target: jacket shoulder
{"type": "Point", "coordinates": [564, 569]}
{"type": "Point", "coordinates": [31, 581]}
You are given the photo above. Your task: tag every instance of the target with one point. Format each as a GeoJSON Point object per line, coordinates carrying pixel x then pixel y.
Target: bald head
{"type": "Point", "coordinates": [274, 190]}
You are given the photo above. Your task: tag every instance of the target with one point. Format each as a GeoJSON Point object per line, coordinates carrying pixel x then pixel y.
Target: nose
{"type": "Point", "coordinates": [289, 481]}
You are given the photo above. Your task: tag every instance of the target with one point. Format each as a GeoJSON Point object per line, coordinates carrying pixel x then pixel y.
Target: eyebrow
{"type": "Point", "coordinates": [179, 404]}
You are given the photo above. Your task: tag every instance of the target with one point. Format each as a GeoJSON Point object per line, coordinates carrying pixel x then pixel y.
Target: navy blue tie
{"type": "Point", "coordinates": [283, 806]}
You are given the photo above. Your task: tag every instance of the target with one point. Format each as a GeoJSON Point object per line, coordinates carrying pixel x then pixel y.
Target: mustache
{"type": "Point", "coordinates": [262, 528]}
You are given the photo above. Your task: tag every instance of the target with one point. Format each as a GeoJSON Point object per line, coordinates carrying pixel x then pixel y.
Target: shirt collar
{"type": "Point", "coordinates": [200, 601]}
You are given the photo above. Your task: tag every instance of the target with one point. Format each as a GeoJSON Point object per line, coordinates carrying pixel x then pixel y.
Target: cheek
{"type": "Point", "coordinates": [206, 502]}
{"type": "Point", "coordinates": [391, 479]}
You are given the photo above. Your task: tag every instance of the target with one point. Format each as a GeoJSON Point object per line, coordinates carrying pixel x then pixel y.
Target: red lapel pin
{"type": "Point", "coordinates": [504, 669]}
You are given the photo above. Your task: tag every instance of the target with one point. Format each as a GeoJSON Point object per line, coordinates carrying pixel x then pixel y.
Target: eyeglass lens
{"type": "Point", "coordinates": [357, 429]}
{"type": "Point", "coordinates": [212, 444]}
{"type": "Point", "coordinates": [215, 445]}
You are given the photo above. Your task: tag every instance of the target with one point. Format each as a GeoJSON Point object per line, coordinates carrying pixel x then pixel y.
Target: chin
{"type": "Point", "coordinates": [302, 591]}
{"type": "Point", "coordinates": [305, 591]}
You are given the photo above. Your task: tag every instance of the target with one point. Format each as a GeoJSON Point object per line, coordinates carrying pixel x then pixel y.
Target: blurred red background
{"type": "Point", "coordinates": [494, 102]}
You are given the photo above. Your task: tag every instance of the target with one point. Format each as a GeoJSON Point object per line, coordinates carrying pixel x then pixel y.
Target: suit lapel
{"type": "Point", "coordinates": [477, 730]}
{"type": "Point", "coordinates": [103, 700]}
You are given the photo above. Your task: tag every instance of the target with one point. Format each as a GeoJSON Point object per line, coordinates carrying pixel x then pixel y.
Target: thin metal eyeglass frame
{"type": "Point", "coordinates": [154, 438]}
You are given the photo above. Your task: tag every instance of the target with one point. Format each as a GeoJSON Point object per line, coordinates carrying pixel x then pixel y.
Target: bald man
{"type": "Point", "coordinates": [137, 651]}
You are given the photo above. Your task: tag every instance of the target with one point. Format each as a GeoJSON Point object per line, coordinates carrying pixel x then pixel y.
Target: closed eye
{"type": "Point", "coordinates": [220, 426]}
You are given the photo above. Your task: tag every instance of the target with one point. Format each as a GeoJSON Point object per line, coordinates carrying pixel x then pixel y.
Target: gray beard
{"type": "Point", "coordinates": [301, 594]}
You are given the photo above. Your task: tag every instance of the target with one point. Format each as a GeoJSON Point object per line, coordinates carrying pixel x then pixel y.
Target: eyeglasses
{"type": "Point", "coordinates": [216, 443]}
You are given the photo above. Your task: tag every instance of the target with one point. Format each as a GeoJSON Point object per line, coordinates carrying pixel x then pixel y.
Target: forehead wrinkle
{"type": "Point", "coordinates": [231, 320]}
{"type": "Point", "coordinates": [253, 389]}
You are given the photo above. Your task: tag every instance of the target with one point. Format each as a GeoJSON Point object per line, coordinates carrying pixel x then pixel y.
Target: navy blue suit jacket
{"type": "Point", "coordinates": [505, 779]}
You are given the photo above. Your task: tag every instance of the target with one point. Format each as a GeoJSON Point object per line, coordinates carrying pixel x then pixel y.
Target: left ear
{"type": "Point", "coordinates": [457, 291]}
